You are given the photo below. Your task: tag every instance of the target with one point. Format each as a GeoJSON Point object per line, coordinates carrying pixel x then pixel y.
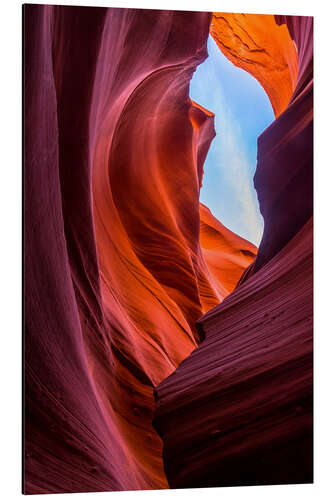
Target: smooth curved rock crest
{"type": "Point", "coordinates": [122, 261]}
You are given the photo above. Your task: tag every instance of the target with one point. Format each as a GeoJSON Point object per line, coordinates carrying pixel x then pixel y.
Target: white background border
{"type": "Point", "coordinates": [11, 245]}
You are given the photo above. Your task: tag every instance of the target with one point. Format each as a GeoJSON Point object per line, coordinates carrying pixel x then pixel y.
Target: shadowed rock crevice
{"type": "Point", "coordinates": [122, 261]}
{"type": "Point", "coordinates": [238, 410]}
{"type": "Point", "coordinates": [118, 267]}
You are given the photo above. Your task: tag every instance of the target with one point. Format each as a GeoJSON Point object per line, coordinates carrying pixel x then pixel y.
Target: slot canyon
{"type": "Point", "coordinates": [162, 349]}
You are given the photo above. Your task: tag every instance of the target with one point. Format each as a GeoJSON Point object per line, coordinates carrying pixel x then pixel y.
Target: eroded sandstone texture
{"type": "Point", "coordinates": [120, 258]}
{"type": "Point", "coordinates": [238, 410]}
{"type": "Point", "coordinates": [256, 43]}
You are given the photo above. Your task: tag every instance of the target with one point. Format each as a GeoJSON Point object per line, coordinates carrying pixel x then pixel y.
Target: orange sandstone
{"type": "Point", "coordinates": [255, 43]}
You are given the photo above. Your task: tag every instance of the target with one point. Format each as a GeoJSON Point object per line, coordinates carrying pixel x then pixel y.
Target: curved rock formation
{"type": "Point", "coordinates": [225, 253]}
{"type": "Point", "coordinates": [120, 260]}
{"type": "Point", "coordinates": [284, 175]}
{"type": "Point", "coordinates": [238, 410]}
{"type": "Point", "coordinates": [257, 44]}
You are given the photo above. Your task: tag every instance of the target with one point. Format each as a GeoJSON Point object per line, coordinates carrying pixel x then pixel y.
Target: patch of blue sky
{"type": "Point", "coordinates": [242, 112]}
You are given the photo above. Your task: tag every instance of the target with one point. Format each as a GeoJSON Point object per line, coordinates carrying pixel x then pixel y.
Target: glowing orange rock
{"type": "Point", "coordinates": [255, 43]}
{"type": "Point", "coordinates": [115, 274]}
{"type": "Point", "coordinates": [227, 255]}
{"type": "Point", "coordinates": [156, 279]}
{"type": "Point", "coordinates": [239, 409]}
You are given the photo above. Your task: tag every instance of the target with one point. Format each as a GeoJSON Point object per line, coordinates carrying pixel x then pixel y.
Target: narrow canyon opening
{"type": "Point", "coordinates": [242, 112]}
{"type": "Point", "coordinates": [139, 375]}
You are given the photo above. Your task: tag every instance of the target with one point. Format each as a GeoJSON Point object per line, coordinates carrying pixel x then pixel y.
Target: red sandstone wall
{"type": "Point", "coordinates": [238, 410]}
{"type": "Point", "coordinates": [121, 260]}
{"type": "Point", "coordinates": [117, 269]}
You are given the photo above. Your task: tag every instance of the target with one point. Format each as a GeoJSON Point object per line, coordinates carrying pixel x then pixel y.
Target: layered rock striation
{"type": "Point", "coordinates": [120, 257]}
{"type": "Point", "coordinates": [122, 261]}
{"type": "Point", "coordinates": [238, 410]}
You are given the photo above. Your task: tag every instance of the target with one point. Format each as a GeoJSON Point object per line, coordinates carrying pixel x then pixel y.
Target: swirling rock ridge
{"type": "Point", "coordinates": [239, 409]}
{"type": "Point", "coordinates": [120, 257]}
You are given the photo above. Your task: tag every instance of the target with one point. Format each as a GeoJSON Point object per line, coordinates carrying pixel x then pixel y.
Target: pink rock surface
{"type": "Point", "coordinates": [238, 410]}
{"type": "Point", "coordinates": [115, 276]}
{"type": "Point", "coordinates": [121, 261]}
